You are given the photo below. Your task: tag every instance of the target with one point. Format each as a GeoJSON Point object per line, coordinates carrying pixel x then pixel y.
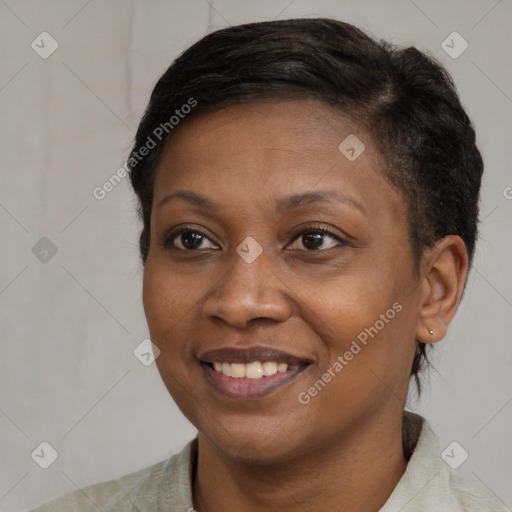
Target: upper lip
{"type": "Point", "coordinates": [249, 355]}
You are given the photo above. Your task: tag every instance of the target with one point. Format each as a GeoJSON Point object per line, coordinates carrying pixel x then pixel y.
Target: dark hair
{"type": "Point", "coordinates": [401, 97]}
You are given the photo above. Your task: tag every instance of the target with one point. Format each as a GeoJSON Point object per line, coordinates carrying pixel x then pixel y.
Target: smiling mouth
{"type": "Point", "coordinates": [250, 373]}
{"type": "Point", "coordinates": [253, 370]}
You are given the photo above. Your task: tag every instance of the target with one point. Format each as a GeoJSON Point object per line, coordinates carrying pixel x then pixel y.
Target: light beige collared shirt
{"type": "Point", "coordinates": [428, 485]}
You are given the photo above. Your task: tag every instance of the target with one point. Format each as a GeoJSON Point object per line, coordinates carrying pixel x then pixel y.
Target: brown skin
{"type": "Point", "coordinates": [343, 450]}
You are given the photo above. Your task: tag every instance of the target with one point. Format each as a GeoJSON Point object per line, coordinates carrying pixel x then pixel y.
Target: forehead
{"type": "Point", "coordinates": [260, 150]}
{"type": "Point", "coordinates": [302, 127]}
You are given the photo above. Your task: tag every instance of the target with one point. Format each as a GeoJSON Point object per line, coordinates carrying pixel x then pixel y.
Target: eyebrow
{"type": "Point", "coordinates": [303, 199]}
{"type": "Point", "coordinates": [193, 198]}
{"type": "Point", "coordinates": [282, 205]}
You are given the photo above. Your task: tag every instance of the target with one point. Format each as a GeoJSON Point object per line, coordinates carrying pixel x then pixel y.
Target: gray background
{"type": "Point", "coordinates": [68, 326]}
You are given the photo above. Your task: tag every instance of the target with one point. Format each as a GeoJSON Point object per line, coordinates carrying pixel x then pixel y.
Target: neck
{"type": "Point", "coordinates": [358, 471]}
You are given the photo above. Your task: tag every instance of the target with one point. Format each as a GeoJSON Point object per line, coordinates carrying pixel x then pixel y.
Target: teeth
{"type": "Point", "coordinates": [269, 368]}
{"type": "Point", "coordinates": [226, 369]}
{"type": "Point", "coordinates": [237, 370]}
{"type": "Point", "coordinates": [254, 370]}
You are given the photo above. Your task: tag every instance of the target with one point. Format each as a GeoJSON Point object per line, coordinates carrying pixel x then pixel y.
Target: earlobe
{"type": "Point", "coordinates": [444, 270]}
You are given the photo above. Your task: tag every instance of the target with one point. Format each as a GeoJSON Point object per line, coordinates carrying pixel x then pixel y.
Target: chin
{"type": "Point", "coordinates": [254, 449]}
{"type": "Point", "coordinates": [254, 440]}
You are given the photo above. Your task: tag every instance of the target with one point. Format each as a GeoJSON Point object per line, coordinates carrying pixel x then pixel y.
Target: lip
{"type": "Point", "coordinates": [250, 354]}
{"type": "Point", "coordinates": [247, 389]}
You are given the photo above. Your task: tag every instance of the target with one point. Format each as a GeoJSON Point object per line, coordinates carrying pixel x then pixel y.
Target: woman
{"type": "Point", "coordinates": [309, 199]}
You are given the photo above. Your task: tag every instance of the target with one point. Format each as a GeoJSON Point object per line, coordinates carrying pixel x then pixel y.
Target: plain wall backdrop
{"type": "Point", "coordinates": [71, 319]}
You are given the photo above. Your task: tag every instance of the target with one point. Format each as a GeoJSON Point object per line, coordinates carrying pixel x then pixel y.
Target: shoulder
{"type": "Point", "coordinates": [117, 494]}
{"type": "Point", "coordinates": [142, 490]}
{"type": "Point", "coordinates": [430, 484]}
{"type": "Point", "coordinates": [470, 497]}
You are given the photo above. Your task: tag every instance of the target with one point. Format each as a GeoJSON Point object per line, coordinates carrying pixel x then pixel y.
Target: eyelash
{"type": "Point", "coordinates": [171, 237]}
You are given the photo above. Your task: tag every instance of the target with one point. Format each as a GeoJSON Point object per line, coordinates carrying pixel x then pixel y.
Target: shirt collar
{"type": "Point", "coordinates": [422, 468]}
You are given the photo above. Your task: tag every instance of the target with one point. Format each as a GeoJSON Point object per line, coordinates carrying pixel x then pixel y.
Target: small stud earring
{"type": "Point", "coordinates": [431, 332]}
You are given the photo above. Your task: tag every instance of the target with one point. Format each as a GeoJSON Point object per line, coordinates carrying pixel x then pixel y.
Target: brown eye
{"type": "Point", "coordinates": [191, 240]}
{"type": "Point", "coordinates": [188, 240]}
{"type": "Point", "coordinates": [318, 239]}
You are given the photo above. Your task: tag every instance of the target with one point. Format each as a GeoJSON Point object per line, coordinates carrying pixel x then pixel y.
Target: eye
{"type": "Point", "coordinates": [311, 239]}
{"type": "Point", "coordinates": [316, 239]}
{"type": "Point", "coordinates": [188, 239]}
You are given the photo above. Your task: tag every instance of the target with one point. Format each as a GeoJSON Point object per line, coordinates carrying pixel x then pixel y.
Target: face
{"type": "Point", "coordinates": [279, 284]}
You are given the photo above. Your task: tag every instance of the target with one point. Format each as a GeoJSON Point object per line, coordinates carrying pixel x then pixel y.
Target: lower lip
{"type": "Point", "coordinates": [249, 388]}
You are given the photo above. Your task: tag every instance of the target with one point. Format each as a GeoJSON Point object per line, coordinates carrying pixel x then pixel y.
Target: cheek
{"type": "Point", "coordinates": [167, 296]}
{"type": "Point", "coordinates": [368, 341]}
{"type": "Point", "coordinates": [371, 334]}
{"type": "Point", "coordinates": [168, 304]}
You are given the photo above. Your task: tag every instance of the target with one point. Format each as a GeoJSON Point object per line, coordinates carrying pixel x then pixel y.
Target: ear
{"type": "Point", "coordinates": [444, 269]}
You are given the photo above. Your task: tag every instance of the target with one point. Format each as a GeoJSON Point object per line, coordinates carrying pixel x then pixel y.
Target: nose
{"type": "Point", "coordinates": [246, 292]}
